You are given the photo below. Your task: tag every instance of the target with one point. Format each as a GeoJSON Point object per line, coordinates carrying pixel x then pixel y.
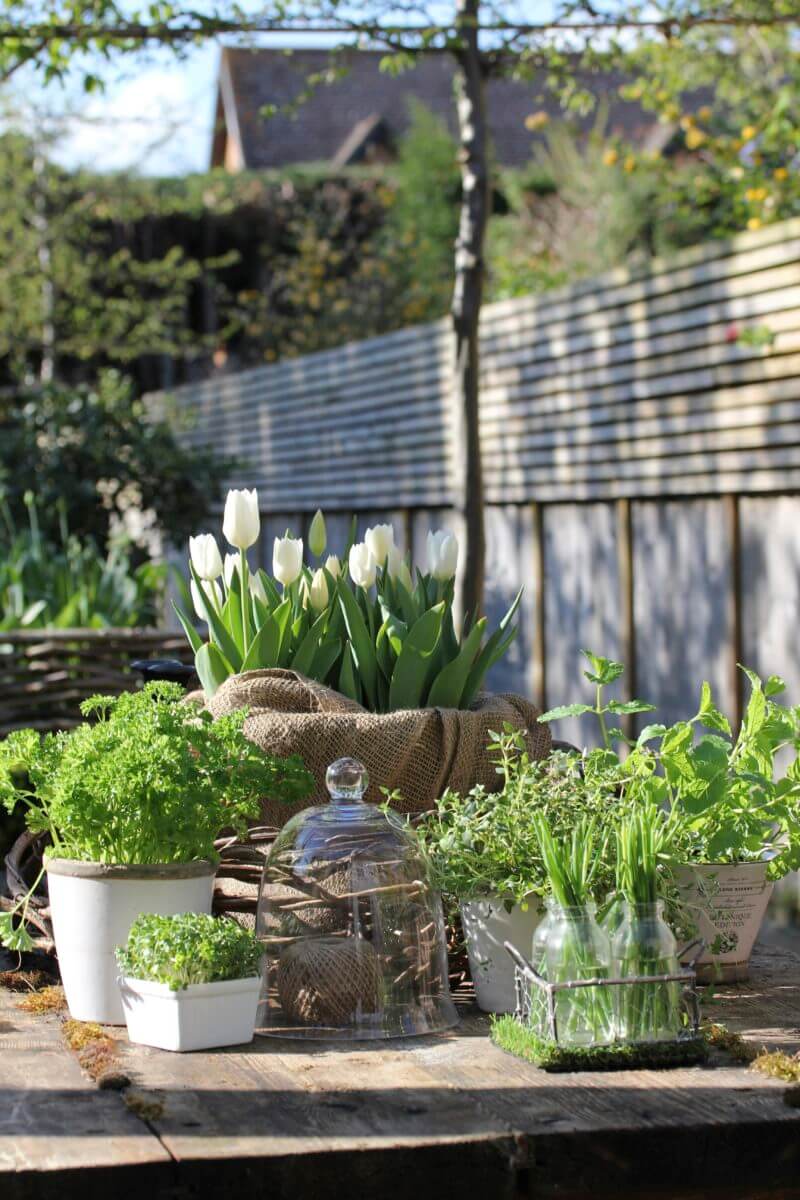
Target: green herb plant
{"type": "Point", "coordinates": [187, 949]}
{"type": "Point", "coordinates": [147, 780]}
{"type": "Point", "coordinates": [484, 844]}
{"type": "Point", "coordinates": [643, 945]}
{"type": "Point", "coordinates": [729, 802]}
{"type": "Point", "coordinates": [576, 949]}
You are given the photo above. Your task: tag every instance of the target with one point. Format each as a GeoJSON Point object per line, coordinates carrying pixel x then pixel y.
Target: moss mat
{"type": "Point", "coordinates": [514, 1038]}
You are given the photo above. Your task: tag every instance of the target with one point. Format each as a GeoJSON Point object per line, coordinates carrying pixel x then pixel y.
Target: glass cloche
{"type": "Point", "coordinates": [352, 930]}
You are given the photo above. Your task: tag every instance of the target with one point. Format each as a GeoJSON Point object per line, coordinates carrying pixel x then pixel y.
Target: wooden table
{"type": "Point", "coordinates": [434, 1118]}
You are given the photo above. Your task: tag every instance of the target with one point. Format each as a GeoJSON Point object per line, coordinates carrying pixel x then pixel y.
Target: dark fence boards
{"type": "Point", "coordinates": [642, 462]}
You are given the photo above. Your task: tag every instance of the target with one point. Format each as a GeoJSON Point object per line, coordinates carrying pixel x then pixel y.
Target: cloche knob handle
{"type": "Point", "coordinates": [347, 780]}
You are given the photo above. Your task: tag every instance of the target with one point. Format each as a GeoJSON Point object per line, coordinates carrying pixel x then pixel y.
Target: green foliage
{"type": "Point", "coordinates": [189, 948]}
{"type": "Point", "coordinates": [575, 213]}
{"type": "Point", "coordinates": [725, 802]}
{"type": "Point", "coordinates": [94, 453]}
{"type": "Point", "coordinates": [486, 843]}
{"type": "Point", "coordinates": [571, 862]}
{"type": "Point", "coordinates": [147, 780]}
{"type": "Point", "coordinates": [644, 852]}
{"type": "Point", "coordinates": [523, 1042]}
{"type": "Point", "coordinates": [377, 636]}
{"type": "Point", "coordinates": [70, 585]}
{"type": "Point", "coordinates": [423, 218]}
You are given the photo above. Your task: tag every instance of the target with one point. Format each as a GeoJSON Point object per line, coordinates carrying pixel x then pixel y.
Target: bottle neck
{"type": "Point", "coordinates": [646, 910]}
{"type": "Point", "coordinates": [572, 912]}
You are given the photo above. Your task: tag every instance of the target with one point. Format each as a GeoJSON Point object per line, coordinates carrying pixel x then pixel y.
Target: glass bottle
{"type": "Point", "coordinates": [577, 949]}
{"type": "Point", "coordinates": [537, 998]}
{"type": "Point", "coordinates": [645, 945]}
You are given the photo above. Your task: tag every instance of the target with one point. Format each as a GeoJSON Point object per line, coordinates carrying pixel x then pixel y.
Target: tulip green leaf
{"type": "Point", "coordinates": [325, 659]}
{"type": "Point", "coordinates": [383, 651]}
{"type": "Point", "coordinates": [216, 626]}
{"type": "Point", "coordinates": [448, 686]}
{"type": "Point", "coordinates": [195, 640]}
{"type": "Point", "coordinates": [494, 649]}
{"type": "Point", "coordinates": [264, 647]}
{"type": "Point", "coordinates": [212, 667]}
{"type": "Point", "coordinates": [361, 644]}
{"type": "Point", "coordinates": [348, 679]}
{"type": "Point", "coordinates": [282, 617]}
{"type": "Point", "coordinates": [304, 655]}
{"type": "Point", "coordinates": [232, 616]}
{"type": "Point", "coordinates": [410, 676]}
{"type": "Point", "coordinates": [273, 595]}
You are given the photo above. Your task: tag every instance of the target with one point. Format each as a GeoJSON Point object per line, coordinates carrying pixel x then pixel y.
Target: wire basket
{"type": "Point", "coordinates": [536, 996]}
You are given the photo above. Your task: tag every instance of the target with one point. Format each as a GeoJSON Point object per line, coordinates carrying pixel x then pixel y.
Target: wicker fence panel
{"type": "Point", "coordinates": [45, 674]}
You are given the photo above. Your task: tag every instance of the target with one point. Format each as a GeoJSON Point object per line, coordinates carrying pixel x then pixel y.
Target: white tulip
{"type": "Point", "coordinates": [241, 523]}
{"type": "Point", "coordinates": [318, 591]}
{"type": "Point", "coordinates": [230, 566]}
{"type": "Point", "coordinates": [380, 542]}
{"type": "Point", "coordinates": [333, 566]}
{"type": "Point", "coordinates": [442, 554]}
{"type": "Point", "coordinates": [204, 553]}
{"type": "Point", "coordinates": [257, 589]}
{"type": "Point", "coordinates": [363, 567]}
{"type": "Point", "coordinates": [398, 569]}
{"type": "Point", "coordinates": [317, 535]}
{"type": "Point", "coordinates": [287, 559]}
{"type": "Point", "coordinates": [212, 590]}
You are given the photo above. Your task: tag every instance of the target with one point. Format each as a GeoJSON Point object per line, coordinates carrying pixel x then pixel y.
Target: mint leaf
{"type": "Point", "coordinates": [603, 671]}
{"type": "Point", "coordinates": [565, 710]}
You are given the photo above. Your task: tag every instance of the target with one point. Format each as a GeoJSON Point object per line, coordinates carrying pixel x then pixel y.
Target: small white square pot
{"type": "Point", "coordinates": [197, 1017]}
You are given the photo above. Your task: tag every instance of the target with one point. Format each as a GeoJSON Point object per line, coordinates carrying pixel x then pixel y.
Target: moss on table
{"type": "Point", "coordinates": [517, 1039]}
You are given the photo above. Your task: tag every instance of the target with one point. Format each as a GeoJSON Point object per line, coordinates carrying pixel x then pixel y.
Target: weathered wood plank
{"type": "Point", "coordinates": [583, 603]}
{"type": "Point", "coordinates": [682, 640]}
{"type": "Point", "coordinates": [770, 566]}
{"type": "Point", "coordinates": [52, 1117]}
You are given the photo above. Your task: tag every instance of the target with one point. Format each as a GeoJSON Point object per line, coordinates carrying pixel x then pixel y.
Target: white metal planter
{"type": "Point", "coordinates": [487, 927]}
{"type": "Point", "coordinates": [727, 902]}
{"type": "Point", "coordinates": [198, 1017]}
{"type": "Point", "coordinates": [93, 906]}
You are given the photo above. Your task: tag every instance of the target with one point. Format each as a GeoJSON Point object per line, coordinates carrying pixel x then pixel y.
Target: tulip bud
{"type": "Point", "coordinates": [257, 588]}
{"type": "Point", "coordinates": [363, 567]}
{"type": "Point", "coordinates": [241, 523]}
{"type": "Point", "coordinates": [380, 542]}
{"type": "Point", "coordinates": [287, 559]}
{"type": "Point", "coordinates": [318, 591]}
{"type": "Point", "coordinates": [204, 553]}
{"type": "Point", "coordinates": [333, 566]}
{"type": "Point", "coordinates": [231, 564]}
{"type": "Point", "coordinates": [442, 554]}
{"type": "Point", "coordinates": [212, 591]}
{"type": "Point", "coordinates": [317, 535]}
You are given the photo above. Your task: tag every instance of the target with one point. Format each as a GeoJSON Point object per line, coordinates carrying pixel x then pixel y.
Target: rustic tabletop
{"type": "Point", "coordinates": [437, 1117]}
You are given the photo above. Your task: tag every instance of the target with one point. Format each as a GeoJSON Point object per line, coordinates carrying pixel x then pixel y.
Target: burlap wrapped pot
{"type": "Point", "coordinates": [416, 752]}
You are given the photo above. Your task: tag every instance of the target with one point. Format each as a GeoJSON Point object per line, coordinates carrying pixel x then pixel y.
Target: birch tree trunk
{"type": "Point", "coordinates": [467, 298]}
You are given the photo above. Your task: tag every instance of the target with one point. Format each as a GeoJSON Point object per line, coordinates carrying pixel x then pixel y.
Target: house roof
{"type": "Point", "coordinates": [336, 121]}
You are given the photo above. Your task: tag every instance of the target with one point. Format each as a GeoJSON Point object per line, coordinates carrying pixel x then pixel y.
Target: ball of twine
{"type": "Point", "coordinates": [295, 911]}
{"type": "Point", "coordinates": [326, 980]}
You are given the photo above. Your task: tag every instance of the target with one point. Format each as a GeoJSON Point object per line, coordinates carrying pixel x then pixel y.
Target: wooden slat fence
{"type": "Point", "coordinates": [46, 673]}
{"type": "Point", "coordinates": [642, 462]}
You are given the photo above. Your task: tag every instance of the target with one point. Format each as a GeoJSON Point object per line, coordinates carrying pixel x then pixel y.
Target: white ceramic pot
{"type": "Point", "coordinates": [487, 925]}
{"type": "Point", "coordinates": [727, 902]}
{"type": "Point", "coordinates": [93, 906]}
{"type": "Point", "coordinates": [197, 1017]}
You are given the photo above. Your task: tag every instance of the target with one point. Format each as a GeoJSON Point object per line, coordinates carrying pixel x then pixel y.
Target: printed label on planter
{"type": "Point", "coordinates": [728, 903]}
